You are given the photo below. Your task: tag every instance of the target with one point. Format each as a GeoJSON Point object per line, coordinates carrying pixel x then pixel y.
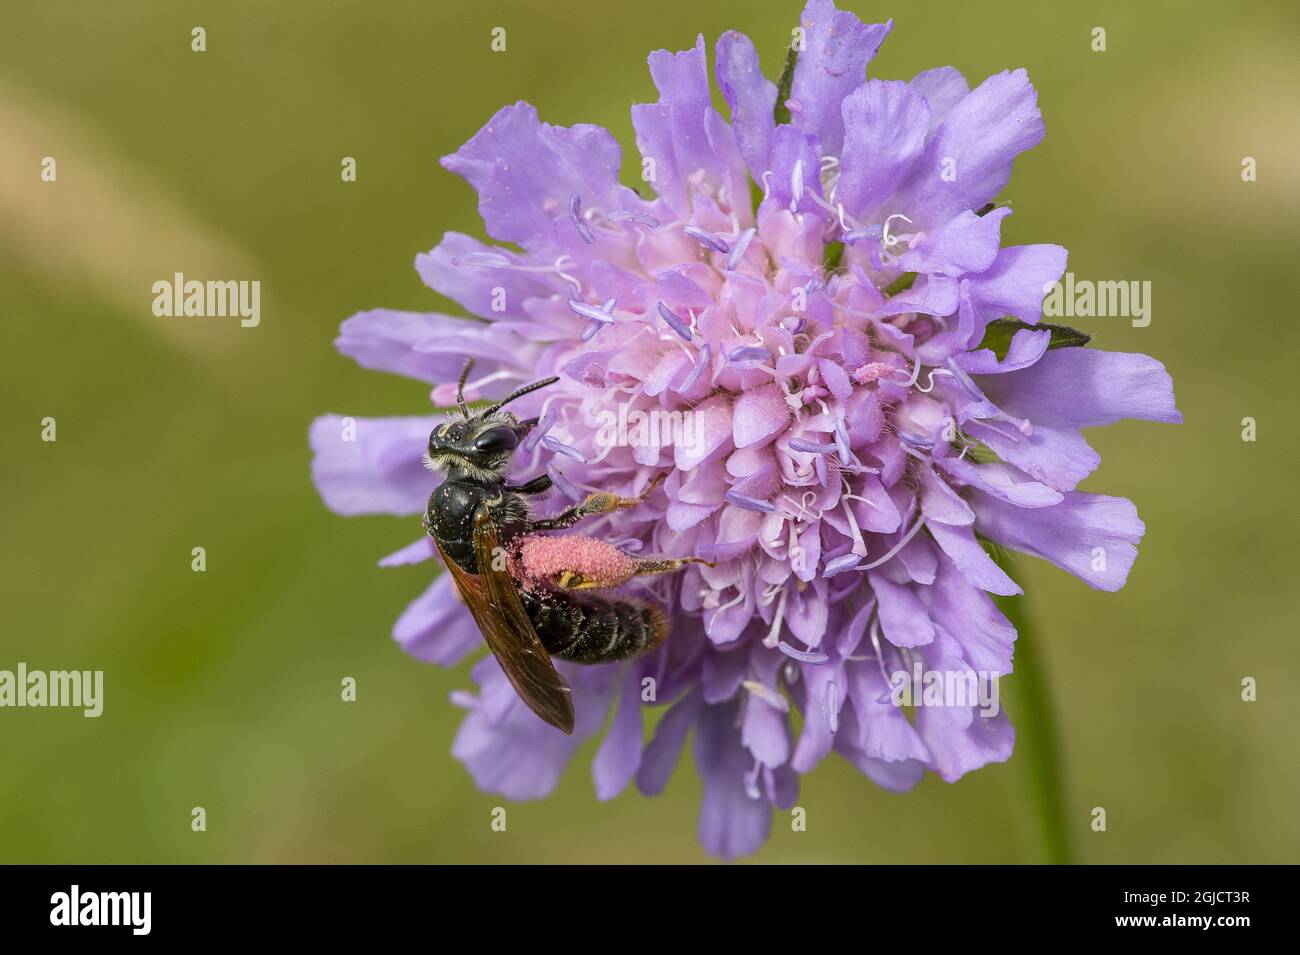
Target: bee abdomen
{"type": "Point", "coordinates": [587, 629]}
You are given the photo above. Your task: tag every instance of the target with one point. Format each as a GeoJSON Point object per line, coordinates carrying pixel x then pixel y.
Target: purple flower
{"type": "Point", "coordinates": [865, 396]}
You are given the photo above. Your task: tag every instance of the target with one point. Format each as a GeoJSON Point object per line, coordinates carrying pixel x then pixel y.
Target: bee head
{"type": "Point", "coordinates": [479, 446]}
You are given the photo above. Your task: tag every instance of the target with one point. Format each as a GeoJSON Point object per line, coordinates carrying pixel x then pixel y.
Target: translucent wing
{"type": "Point", "coordinates": [493, 599]}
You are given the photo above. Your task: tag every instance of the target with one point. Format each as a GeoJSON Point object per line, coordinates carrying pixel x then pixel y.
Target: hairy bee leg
{"type": "Point", "coordinates": [601, 502]}
{"type": "Point", "coordinates": [651, 566]}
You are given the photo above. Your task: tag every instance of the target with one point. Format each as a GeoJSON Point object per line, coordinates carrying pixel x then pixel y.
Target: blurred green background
{"type": "Point", "coordinates": [222, 688]}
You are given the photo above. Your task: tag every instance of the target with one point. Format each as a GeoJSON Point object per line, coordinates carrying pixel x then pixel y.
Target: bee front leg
{"type": "Point", "coordinates": [601, 502]}
{"type": "Point", "coordinates": [538, 485]}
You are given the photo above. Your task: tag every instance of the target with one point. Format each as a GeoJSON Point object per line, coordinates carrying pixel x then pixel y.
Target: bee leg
{"type": "Point", "coordinates": [601, 502]}
{"type": "Point", "coordinates": [666, 565]}
{"type": "Point", "coordinates": [599, 579]}
{"type": "Point", "coordinates": [538, 485]}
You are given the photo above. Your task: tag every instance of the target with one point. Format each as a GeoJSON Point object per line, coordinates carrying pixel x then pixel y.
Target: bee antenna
{"type": "Point", "coordinates": [460, 387]}
{"type": "Point", "coordinates": [519, 393]}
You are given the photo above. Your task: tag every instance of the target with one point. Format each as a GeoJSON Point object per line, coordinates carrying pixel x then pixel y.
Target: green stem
{"type": "Point", "coordinates": [1037, 749]}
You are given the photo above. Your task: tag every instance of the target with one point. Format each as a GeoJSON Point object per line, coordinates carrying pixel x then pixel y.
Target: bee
{"type": "Point", "coordinates": [531, 593]}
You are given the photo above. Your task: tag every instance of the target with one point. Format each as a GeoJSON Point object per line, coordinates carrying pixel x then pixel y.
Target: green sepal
{"type": "Point", "coordinates": [781, 112]}
{"type": "Point", "coordinates": [998, 335]}
{"type": "Point", "coordinates": [900, 284]}
{"type": "Point", "coordinates": [832, 256]}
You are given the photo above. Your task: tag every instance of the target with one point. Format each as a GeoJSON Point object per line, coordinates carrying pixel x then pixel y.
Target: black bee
{"type": "Point", "coordinates": [478, 521]}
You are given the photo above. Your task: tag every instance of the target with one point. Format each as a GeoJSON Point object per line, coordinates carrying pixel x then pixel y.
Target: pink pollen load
{"type": "Point", "coordinates": [543, 559]}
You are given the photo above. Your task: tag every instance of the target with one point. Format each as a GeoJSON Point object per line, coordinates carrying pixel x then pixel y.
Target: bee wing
{"type": "Point", "coordinates": [493, 599]}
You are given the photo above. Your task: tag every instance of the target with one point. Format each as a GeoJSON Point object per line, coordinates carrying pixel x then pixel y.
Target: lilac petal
{"type": "Point", "coordinates": [960, 742]}
{"type": "Point", "coordinates": [712, 431]}
{"type": "Point", "coordinates": [674, 130]}
{"type": "Point", "coordinates": [838, 47]}
{"type": "Point", "coordinates": [723, 674]}
{"type": "Point", "coordinates": [931, 295]}
{"type": "Point", "coordinates": [662, 752]}
{"type": "Point", "coordinates": [380, 472]}
{"type": "Point", "coordinates": [1058, 457]}
{"type": "Point", "coordinates": [763, 731]}
{"type": "Point", "coordinates": [1003, 481]}
{"type": "Point", "coordinates": [885, 127]}
{"type": "Point", "coordinates": [903, 618]}
{"type": "Point", "coordinates": [966, 243]}
{"type": "Point", "coordinates": [879, 730]}
{"type": "Point", "coordinates": [522, 167]}
{"type": "Point", "coordinates": [943, 88]}
{"type": "Point", "coordinates": [965, 381]}
{"type": "Point", "coordinates": [508, 749]}
{"type": "Point", "coordinates": [469, 273]}
{"type": "Point", "coordinates": [970, 617]}
{"type": "Point", "coordinates": [619, 756]}
{"type": "Point", "coordinates": [759, 415]}
{"type": "Point", "coordinates": [567, 487]}
{"type": "Point", "coordinates": [1092, 536]}
{"type": "Point", "coordinates": [810, 603]}
{"type": "Point", "coordinates": [979, 569]}
{"type": "Point", "coordinates": [750, 95]}
{"type": "Point", "coordinates": [982, 135]}
{"type": "Point", "coordinates": [816, 740]}
{"type": "Point", "coordinates": [388, 340]}
{"type": "Point", "coordinates": [1027, 346]}
{"type": "Point", "coordinates": [795, 164]}
{"type": "Point", "coordinates": [1083, 387]}
{"type": "Point", "coordinates": [939, 502]}
{"type": "Point", "coordinates": [417, 552]}
{"type": "Point", "coordinates": [1016, 283]}
{"type": "Point", "coordinates": [436, 627]}
{"type": "Point", "coordinates": [677, 288]}
{"type": "Point", "coordinates": [781, 785]}
{"type": "Point", "coordinates": [768, 695]}
{"type": "Point", "coordinates": [732, 824]}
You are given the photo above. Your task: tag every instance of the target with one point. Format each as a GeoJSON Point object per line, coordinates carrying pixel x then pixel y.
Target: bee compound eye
{"type": "Point", "coordinates": [497, 439]}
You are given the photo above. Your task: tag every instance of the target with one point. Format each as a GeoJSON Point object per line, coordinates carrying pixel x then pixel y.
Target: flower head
{"type": "Point", "coordinates": [814, 330]}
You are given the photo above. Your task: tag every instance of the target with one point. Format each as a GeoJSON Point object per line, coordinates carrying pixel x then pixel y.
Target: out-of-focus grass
{"type": "Point", "coordinates": [222, 689]}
